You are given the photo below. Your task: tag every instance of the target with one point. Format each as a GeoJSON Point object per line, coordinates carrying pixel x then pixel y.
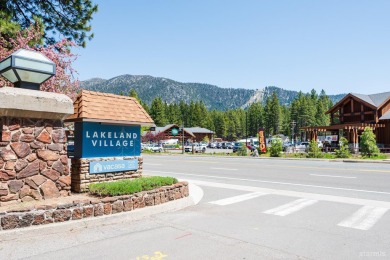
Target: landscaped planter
{"type": "Point", "coordinates": [91, 207]}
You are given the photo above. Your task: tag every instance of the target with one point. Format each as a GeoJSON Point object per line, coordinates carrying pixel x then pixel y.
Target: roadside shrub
{"type": "Point", "coordinates": [314, 151]}
{"type": "Point", "coordinates": [344, 151]}
{"type": "Point", "coordinates": [368, 147]}
{"type": "Point", "coordinates": [299, 155]}
{"type": "Point", "coordinates": [276, 147]}
{"type": "Point", "coordinates": [127, 187]}
{"type": "Point", "coordinates": [242, 151]}
{"type": "Point", "coordinates": [328, 156]}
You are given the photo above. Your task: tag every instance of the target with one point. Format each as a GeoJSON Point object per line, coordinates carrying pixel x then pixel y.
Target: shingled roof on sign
{"type": "Point", "coordinates": [109, 108]}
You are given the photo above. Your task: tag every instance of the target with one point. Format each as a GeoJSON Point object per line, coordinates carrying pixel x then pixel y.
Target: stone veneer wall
{"type": "Point", "coordinates": [94, 207]}
{"type": "Point", "coordinates": [33, 160]}
{"type": "Point", "coordinates": [81, 178]}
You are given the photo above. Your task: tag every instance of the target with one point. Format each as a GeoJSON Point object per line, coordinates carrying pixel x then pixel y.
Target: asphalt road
{"type": "Point", "coordinates": [251, 209]}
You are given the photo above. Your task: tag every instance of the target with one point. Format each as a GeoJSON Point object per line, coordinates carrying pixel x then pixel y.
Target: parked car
{"type": "Point", "coordinates": [237, 146]}
{"type": "Point", "coordinates": [286, 145]}
{"type": "Point", "coordinates": [157, 148]}
{"type": "Point", "coordinates": [224, 145]}
{"type": "Point", "coordinates": [219, 145]}
{"type": "Point", "coordinates": [212, 145]}
{"type": "Point", "coordinates": [146, 147]}
{"type": "Point", "coordinates": [198, 148]}
{"type": "Point", "coordinates": [229, 145]}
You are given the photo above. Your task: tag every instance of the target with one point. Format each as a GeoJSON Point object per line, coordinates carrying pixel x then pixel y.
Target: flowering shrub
{"type": "Point", "coordinates": [64, 80]}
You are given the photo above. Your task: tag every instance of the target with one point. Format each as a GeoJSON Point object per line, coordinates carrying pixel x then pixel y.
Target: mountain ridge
{"type": "Point", "coordinates": [214, 97]}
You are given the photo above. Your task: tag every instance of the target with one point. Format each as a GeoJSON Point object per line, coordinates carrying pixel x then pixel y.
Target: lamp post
{"type": "Point", "coordinates": [246, 128]}
{"type": "Point", "coordinates": [27, 69]}
{"type": "Point", "coordinates": [182, 138]}
{"type": "Point", "coordinates": [293, 124]}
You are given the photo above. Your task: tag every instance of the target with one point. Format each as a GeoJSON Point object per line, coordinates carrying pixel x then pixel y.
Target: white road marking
{"type": "Point", "coordinates": [236, 199]}
{"type": "Point", "coordinates": [364, 218]}
{"type": "Point", "coordinates": [334, 176]}
{"type": "Point", "coordinates": [157, 164]}
{"type": "Point", "coordinates": [298, 194]}
{"type": "Point", "coordinates": [291, 207]}
{"type": "Point", "coordinates": [273, 182]}
{"type": "Point", "coordinates": [225, 169]}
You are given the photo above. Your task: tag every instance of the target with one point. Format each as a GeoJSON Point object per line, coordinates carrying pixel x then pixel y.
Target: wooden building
{"type": "Point", "coordinates": [191, 134]}
{"type": "Point", "coordinates": [353, 113]}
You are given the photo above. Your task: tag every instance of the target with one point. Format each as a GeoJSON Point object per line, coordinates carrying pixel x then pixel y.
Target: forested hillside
{"type": "Point", "coordinates": [232, 124]}
{"type": "Point", "coordinates": [171, 91]}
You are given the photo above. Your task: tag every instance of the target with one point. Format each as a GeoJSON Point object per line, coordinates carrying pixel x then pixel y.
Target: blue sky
{"type": "Point", "coordinates": [339, 46]}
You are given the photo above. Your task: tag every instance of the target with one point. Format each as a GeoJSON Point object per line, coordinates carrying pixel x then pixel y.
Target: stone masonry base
{"type": "Point", "coordinates": [93, 207]}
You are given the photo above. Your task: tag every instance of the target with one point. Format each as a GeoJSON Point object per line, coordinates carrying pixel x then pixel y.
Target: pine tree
{"type": "Point", "coordinates": [134, 94]}
{"type": "Point", "coordinates": [272, 115]}
{"type": "Point", "coordinates": [255, 118]}
{"type": "Point", "coordinates": [157, 112]}
{"type": "Point", "coordinates": [368, 145]}
{"type": "Point", "coordinates": [68, 18]}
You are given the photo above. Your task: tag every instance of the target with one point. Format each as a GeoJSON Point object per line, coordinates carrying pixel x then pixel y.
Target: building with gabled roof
{"type": "Point", "coordinates": [353, 113]}
{"type": "Point", "coordinates": [91, 106]}
{"type": "Point", "coordinates": [194, 134]}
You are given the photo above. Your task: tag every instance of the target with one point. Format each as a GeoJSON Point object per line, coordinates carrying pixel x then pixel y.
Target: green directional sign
{"type": "Point", "coordinates": [174, 131]}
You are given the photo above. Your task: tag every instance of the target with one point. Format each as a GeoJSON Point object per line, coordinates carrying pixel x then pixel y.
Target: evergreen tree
{"type": "Point", "coordinates": [68, 18]}
{"type": "Point", "coordinates": [157, 112]}
{"type": "Point", "coordinates": [368, 145]}
{"type": "Point", "coordinates": [134, 94]}
{"type": "Point", "coordinates": [220, 123]}
{"type": "Point", "coordinates": [255, 118]}
{"type": "Point", "coordinates": [323, 105]}
{"type": "Point", "coordinates": [343, 152]}
{"type": "Point", "coordinates": [285, 121]}
{"type": "Point", "coordinates": [272, 115]}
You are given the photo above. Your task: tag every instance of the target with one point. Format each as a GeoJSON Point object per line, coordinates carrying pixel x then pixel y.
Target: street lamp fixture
{"type": "Point", "coordinates": [27, 69]}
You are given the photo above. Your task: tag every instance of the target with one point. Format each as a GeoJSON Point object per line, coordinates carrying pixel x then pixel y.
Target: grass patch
{"type": "Point", "coordinates": [127, 187]}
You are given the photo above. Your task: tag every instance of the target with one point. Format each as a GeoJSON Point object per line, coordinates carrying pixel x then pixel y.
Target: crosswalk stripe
{"type": "Point", "coordinates": [291, 207]}
{"type": "Point", "coordinates": [235, 199]}
{"type": "Point", "coordinates": [364, 218]}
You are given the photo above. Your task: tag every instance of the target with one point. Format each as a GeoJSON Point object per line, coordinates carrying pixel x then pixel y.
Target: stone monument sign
{"type": "Point", "coordinates": [107, 144]}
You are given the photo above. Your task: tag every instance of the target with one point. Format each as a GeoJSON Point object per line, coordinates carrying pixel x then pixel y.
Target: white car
{"type": "Point", "coordinates": [198, 148]}
{"type": "Point", "coordinates": [157, 148]}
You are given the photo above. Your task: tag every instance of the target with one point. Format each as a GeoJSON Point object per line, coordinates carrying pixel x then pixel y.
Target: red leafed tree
{"type": "Point", "coordinates": [150, 137]}
{"type": "Point", "coordinates": [64, 80]}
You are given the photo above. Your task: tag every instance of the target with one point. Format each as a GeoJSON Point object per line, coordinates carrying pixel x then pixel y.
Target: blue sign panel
{"type": "Point", "coordinates": [113, 166]}
{"type": "Point", "coordinates": [101, 140]}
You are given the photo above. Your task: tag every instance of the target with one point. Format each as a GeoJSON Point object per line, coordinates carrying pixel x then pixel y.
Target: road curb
{"type": "Point", "coordinates": [195, 195]}
{"type": "Point", "coordinates": [386, 161]}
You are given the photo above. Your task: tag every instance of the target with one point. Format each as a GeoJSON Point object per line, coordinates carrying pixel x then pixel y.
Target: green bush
{"type": "Point", "coordinates": [329, 156]}
{"type": "Point", "coordinates": [344, 151]}
{"type": "Point", "coordinates": [298, 155]}
{"type": "Point", "coordinates": [314, 151]}
{"type": "Point", "coordinates": [242, 151]}
{"type": "Point", "coordinates": [276, 148]}
{"type": "Point", "coordinates": [127, 187]}
{"type": "Point", "coordinates": [368, 147]}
